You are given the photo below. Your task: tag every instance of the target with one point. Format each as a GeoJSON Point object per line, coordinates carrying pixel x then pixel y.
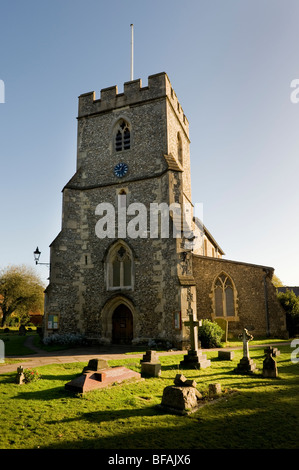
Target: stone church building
{"type": "Point", "coordinates": [118, 274]}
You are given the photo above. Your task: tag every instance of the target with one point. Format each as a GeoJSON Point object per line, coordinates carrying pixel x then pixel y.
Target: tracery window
{"type": "Point", "coordinates": [122, 136]}
{"type": "Point", "coordinates": [120, 268]}
{"type": "Point", "coordinates": [224, 297]}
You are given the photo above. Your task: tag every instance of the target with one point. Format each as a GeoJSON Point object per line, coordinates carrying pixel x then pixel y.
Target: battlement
{"type": "Point", "coordinates": [159, 86]}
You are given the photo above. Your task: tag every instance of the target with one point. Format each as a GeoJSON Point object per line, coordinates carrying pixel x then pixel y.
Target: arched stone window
{"type": "Point", "coordinates": [120, 267]}
{"type": "Point", "coordinates": [224, 296]}
{"type": "Point", "coordinates": [122, 136]}
{"type": "Point", "coordinates": [180, 148]}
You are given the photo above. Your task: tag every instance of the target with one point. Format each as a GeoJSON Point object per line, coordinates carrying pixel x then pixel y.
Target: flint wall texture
{"type": "Point", "coordinates": [78, 290]}
{"type": "Point", "coordinates": [257, 306]}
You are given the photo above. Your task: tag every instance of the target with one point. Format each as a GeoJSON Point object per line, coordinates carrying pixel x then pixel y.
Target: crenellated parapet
{"type": "Point", "coordinates": [159, 86]}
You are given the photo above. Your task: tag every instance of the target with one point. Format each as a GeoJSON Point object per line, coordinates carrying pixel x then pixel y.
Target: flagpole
{"type": "Point", "coordinates": [132, 51]}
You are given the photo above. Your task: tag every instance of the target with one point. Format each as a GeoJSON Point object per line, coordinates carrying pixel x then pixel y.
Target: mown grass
{"type": "Point", "coordinates": [263, 414]}
{"type": "Point", "coordinates": [14, 344]}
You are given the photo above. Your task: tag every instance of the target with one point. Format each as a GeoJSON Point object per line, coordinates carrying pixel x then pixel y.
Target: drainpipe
{"type": "Point", "coordinates": [266, 271]}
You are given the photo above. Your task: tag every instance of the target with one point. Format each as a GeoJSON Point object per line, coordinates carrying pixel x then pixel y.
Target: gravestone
{"type": "Point", "coordinates": [150, 365]}
{"type": "Point", "coordinates": [94, 379]}
{"type": "Point", "coordinates": [246, 365]}
{"type": "Point", "coordinates": [95, 364]}
{"type": "Point", "coordinates": [214, 390]}
{"type": "Point", "coordinates": [274, 351]}
{"type": "Point", "coordinates": [182, 397]}
{"type": "Point", "coordinates": [269, 364]}
{"type": "Point", "coordinates": [194, 358]}
{"type": "Point", "coordinates": [226, 355]}
{"type": "Point", "coordinates": [20, 378]}
{"type": "Point", "coordinates": [22, 330]}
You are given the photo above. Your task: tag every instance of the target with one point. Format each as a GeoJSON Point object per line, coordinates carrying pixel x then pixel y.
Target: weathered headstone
{"type": "Point", "coordinates": [182, 397]}
{"type": "Point", "coordinates": [194, 358]}
{"type": "Point", "coordinates": [226, 355]}
{"type": "Point", "coordinates": [269, 364]}
{"type": "Point", "coordinates": [273, 351]}
{"type": "Point", "coordinates": [20, 378]}
{"type": "Point", "coordinates": [22, 330]}
{"type": "Point", "coordinates": [150, 365]}
{"type": "Point", "coordinates": [150, 356]}
{"type": "Point", "coordinates": [246, 365]}
{"type": "Point", "coordinates": [95, 364]}
{"type": "Point", "coordinates": [214, 390]}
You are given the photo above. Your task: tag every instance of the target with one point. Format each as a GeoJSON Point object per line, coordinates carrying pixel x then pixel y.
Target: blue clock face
{"type": "Point", "coordinates": [120, 170]}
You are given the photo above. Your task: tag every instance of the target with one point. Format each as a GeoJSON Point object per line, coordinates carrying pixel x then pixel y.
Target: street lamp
{"type": "Point", "coordinates": [37, 254]}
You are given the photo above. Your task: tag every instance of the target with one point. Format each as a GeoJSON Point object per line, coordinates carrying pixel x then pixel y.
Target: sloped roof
{"type": "Point", "coordinates": [295, 289]}
{"type": "Point", "coordinates": [208, 234]}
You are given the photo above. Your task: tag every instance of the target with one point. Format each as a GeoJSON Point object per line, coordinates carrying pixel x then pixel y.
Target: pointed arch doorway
{"type": "Point", "coordinates": [122, 325]}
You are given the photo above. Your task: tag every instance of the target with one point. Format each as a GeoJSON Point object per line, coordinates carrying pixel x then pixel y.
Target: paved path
{"type": "Point", "coordinates": [41, 357]}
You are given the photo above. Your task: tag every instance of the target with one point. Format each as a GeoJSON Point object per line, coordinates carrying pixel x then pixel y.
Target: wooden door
{"type": "Point", "coordinates": [122, 325]}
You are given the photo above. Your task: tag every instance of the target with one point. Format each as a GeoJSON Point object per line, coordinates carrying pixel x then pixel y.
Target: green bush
{"type": "Point", "coordinates": [210, 334]}
{"type": "Point", "coordinates": [31, 375]}
{"type": "Point", "coordinates": [290, 303]}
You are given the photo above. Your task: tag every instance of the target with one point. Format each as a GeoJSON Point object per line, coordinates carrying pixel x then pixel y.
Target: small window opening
{"type": "Point", "coordinates": [122, 136]}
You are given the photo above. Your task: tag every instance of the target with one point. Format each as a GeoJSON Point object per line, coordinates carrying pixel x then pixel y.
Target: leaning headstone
{"type": "Point", "coordinates": [182, 397]}
{"type": "Point", "coordinates": [20, 378]}
{"type": "Point", "coordinates": [246, 365]}
{"type": "Point", "coordinates": [181, 381]}
{"type": "Point", "coordinates": [269, 365]}
{"type": "Point", "coordinates": [150, 365]}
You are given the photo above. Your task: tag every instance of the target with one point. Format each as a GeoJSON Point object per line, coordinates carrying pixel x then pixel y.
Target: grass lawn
{"type": "Point", "coordinates": [263, 414]}
{"type": "Point", "coordinates": [14, 344]}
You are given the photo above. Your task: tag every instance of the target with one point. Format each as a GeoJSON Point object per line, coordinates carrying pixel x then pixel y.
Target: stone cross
{"type": "Point", "coordinates": [246, 338]}
{"type": "Point", "coordinates": [193, 324]}
{"type": "Point", "coordinates": [246, 365]}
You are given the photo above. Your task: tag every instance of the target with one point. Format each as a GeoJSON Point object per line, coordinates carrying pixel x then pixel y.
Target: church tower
{"type": "Point", "coordinates": [116, 275]}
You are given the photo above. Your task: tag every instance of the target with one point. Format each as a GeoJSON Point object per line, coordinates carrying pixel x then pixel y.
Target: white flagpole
{"type": "Point", "coordinates": [132, 50]}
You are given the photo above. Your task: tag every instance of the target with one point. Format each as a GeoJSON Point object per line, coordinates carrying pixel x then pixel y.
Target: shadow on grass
{"type": "Point", "coordinates": [248, 420]}
{"type": "Point", "coordinates": [111, 415]}
{"type": "Point", "coordinates": [44, 395]}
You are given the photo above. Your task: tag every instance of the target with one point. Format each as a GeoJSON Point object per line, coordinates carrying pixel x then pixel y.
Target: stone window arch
{"type": "Point", "coordinates": [122, 136]}
{"type": "Point", "coordinates": [120, 267]}
{"type": "Point", "coordinates": [224, 297]}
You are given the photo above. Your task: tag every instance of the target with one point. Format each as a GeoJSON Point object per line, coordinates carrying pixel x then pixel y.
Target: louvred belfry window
{"type": "Point", "coordinates": [122, 136]}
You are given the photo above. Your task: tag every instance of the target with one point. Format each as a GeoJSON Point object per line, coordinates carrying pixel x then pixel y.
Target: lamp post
{"type": "Point", "coordinates": [37, 254]}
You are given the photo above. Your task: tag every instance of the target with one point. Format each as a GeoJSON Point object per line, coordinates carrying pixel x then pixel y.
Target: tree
{"type": "Point", "coordinates": [290, 303]}
{"type": "Point", "coordinates": [21, 291]}
{"type": "Point", "coordinates": [276, 281]}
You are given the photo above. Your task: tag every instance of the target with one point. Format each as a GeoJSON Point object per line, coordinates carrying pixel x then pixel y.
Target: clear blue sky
{"type": "Point", "coordinates": [231, 64]}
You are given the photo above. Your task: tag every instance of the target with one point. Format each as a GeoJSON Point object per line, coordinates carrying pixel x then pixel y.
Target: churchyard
{"type": "Point", "coordinates": [253, 412]}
